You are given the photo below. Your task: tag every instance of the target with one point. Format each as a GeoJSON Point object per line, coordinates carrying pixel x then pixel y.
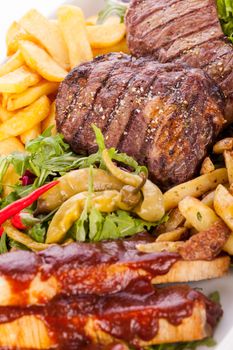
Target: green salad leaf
{"type": "Point", "coordinates": [112, 8]}
{"type": "Point", "coordinates": [3, 243]}
{"type": "Point", "coordinates": [225, 12]}
{"type": "Point", "coordinates": [209, 342]}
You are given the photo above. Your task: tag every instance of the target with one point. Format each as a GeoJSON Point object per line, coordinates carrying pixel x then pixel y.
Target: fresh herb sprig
{"type": "Point", "coordinates": [225, 13]}
{"type": "Point", "coordinates": [113, 8]}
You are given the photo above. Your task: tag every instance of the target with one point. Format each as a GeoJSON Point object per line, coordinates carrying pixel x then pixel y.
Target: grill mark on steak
{"type": "Point", "coordinates": [173, 89]}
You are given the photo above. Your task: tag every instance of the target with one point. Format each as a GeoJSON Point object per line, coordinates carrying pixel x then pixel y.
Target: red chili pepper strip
{"type": "Point", "coordinates": [15, 207]}
{"type": "Point", "coordinates": [1, 231]}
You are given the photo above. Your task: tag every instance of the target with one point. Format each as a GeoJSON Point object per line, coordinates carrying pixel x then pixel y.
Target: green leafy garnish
{"type": "Point", "coordinates": [3, 243]}
{"type": "Point", "coordinates": [112, 8]}
{"type": "Point", "coordinates": [225, 12]}
{"type": "Point", "coordinates": [215, 296]}
{"type": "Point", "coordinates": [209, 342]}
{"type": "Point", "coordinates": [38, 233]}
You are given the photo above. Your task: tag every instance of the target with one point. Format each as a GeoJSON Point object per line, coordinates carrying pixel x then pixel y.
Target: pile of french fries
{"type": "Point", "coordinates": [41, 52]}
{"type": "Point", "coordinates": [197, 204]}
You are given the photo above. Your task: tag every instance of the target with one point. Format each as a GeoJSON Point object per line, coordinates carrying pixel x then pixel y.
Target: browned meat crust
{"type": "Point", "coordinates": [186, 31]}
{"type": "Point", "coordinates": [164, 115]}
{"type": "Point", "coordinates": [206, 245]}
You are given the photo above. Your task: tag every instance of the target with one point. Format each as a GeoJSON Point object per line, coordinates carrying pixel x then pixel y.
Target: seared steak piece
{"type": "Point", "coordinates": [164, 115]}
{"type": "Point", "coordinates": [183, 31]}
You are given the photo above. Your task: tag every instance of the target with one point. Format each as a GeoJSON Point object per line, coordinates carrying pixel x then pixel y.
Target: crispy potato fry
{"type": "Point", "coordinates": [4, 100]}
{"type": "Point", "coordinates": [199, 215]}
{"type": "Point", "coordinates": [40, 61]}
{"type": "Point", "coordinates": [12, 64]}
{"type": "Point", "coordinates": [50, 120]}
{"type": "Point", "coordinates": [4, 114]}
{"type": "Point", "coordinates": [72, 24]}
{"type": "Point", "coordinates": [223, 145]}
{"type": "Point", "coordinates": [14, 34]}
{"type": "Point", "coordinates": [25, 119]}
{"type": "Point", "coordinates": [18, 80]}
{"type": "Point", "coordinates": [8, 146]}
{"type": "Point", "coordinates": [195, 188]}
{"type": "Point", "coordinates": [175, 220]}
{"type": "Point", "coordinates": [158, 247]}
{"type": "Point", "coordinates": [16, 101]}
{"type": "Point", "coordinates": [228, 247]}
{"type": "Point", "coordinates": [172, 236]}
{"type": "Point", "coordinates": [223, 205]}
{"type": "Point", "coordinates": [119, 47]}
{"type": "Point", "coordinates": [31, 134]}
{"type": "Point", "coordinates": [207, 166]}
{"type": "Point", "coordinates": [91, 21]}
{"type": "Point", "coordinates": [209, 199]}
{"type": "Point", "coordinates": [228, 157]}
{"type": "Point", "coordinates": [48, 34]}
{"type": "Point", "coordinates": [105, 35]}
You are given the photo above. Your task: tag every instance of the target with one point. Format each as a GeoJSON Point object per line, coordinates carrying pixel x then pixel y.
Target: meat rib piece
{"type": "Point", "coordinates": [186, 31]}
{"type": "Point", "coordinates": [108, 267]}
{"type": "Point", "coordinates": [164, 115]}
{"type": "Point", "coordinates": [139, 315]}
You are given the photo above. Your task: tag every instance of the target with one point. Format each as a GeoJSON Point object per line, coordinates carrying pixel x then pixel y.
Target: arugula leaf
{"type": "Point", "coordinates": [3, 243]}
{"type": "Point", "coordinates": [38, 233]}
{"type": "Point", "coordinates": [225, 12]}
{"type": "Point", "coordinates": [96, 220]}
{"type": "Point", "coordinates": [215, 296]}
{"type": "Point", "coordinates": [112, 8]}
{"type": "Point", "coordinates": [209, 342]}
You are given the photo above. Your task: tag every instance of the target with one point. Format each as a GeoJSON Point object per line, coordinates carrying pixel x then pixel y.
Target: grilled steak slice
{"type": "Point", "coordinates": [164, 115]}
{"type": "Point", "coordinates": [139, 316]}
{"type": "Point", "coordinates": [186, 31]}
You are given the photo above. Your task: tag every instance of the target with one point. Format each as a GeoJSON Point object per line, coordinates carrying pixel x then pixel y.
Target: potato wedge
{"type": "Point", "coordinates": [40, 61]}
{"type": "Point", "coordinates": [105, 35]}
{"type": "Point", "coordinates": [50, 120]}
{"type": "Point", "coordinates": [16, 101]}
{"type": "Point", "coordinates": [223, 145]}
{"type": "Point", "coordinates": [12, 63]}
{"type": "Point", "coordinates": [14, 34]}
{"type": "Point", "coordinates": [25, 119]}
{"type": "Point", "coordinates": [119, 47]}
{"type": "Point", "coordinates": [195, 188]}
{"type": "Point", "coordinates": [228, 157]}
{"type": "Point", "coordinates": [4, 114]}
{"type": "Point", "coordinates": [48, 34]}
{"type": "Point", "coordinates": [207, 166]}
{"type": "Point", "coordinates": [175, 220]}
{"type": "Point", "coordinates": [172, 236]}
{"type": "Point", "coordinates": [8, 146]}
{"type": "Point", "coordinates": [228, 247]}
{"type": "Point", "coordinates": [199, 215]}
{"type": "Point", "coordinates": [72, 24]}
{"type": "Point", "coordinates": [91, 21]}
{"type": "Point", "coordinates": [209, 199]}
{"type": "Point", "coordinates": [31, 134]}
{"type": "Point", "coordinates": [223, 205]}
{"type": "Point", "coordinates": [158, 247]}
{"type": "Point", "coordinates": [18, 80]}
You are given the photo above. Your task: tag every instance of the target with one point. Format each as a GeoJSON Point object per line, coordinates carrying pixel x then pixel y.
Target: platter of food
{"type": "Point", "coordinates": [116, 175]}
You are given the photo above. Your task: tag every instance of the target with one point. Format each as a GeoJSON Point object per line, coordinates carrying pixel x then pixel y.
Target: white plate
{"type": "Point", "coordinates": [11, 10]}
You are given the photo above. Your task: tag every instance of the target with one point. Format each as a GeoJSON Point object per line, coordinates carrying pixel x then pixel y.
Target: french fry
{"type": "Point", "coordinates": [228, 247]}
{"type": "Point", "coordinates": [175, 220]}
{"type": "Point", "coordinates": [50, 120]}
{"type": "Point", "coordinates": [228, 157]}
{"type": "Point", "coordinates": [72, 24]}
{"type": "Point", "coordinates": [31, 134]}
{"type": "Point", "coordinates": [223, 205]}
{"type": "Point", "coordinates": [40, 61]}
{"type": "Point", "coordinates": [158, 247]}
{"type": "Point", "coordinates": [105, 35]}
{"type": "Point", "coordinates": [48, 34]}
{"type": "Point", "coordinates": [14, 34]}
{"type": "Point", "coordinates": [4, 100]}
{"type": "Point", "coordinates": [223, 145]}
{"type": "Point", "coordinates": [207, 166]}
{"type": "Point", "coordinates": [18, 80]}
{"type": "Point", "coordinates": [91, 21]}
{"type": "Point", "coordinates": [209, 199]}
{"type": "Point", "coordinates": [8, 146]}
{"type": "Point", "coordinates": [172, 236]}
{"type": "Point", "coordinates": [25, 119]}
{"type": "Point", "coordinates": [199, 215]}
{"type": "Point", "coordinates": [12, 64]}
{"type": "Point", "coordinates": [16, 101]}
{"type": "Point", "coordinates": [119, 47]}
{"type": "Point", "coordinates": [195, 188]}
{"type": "Point", "coordinates": [4, 114]}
